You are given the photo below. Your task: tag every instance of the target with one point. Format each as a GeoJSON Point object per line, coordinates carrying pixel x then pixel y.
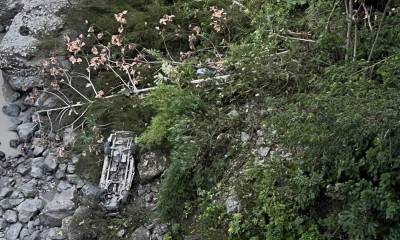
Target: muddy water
{"type": "Point", "coordinates": [5, 121]}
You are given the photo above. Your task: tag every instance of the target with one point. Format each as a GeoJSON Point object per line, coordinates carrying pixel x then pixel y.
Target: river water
{"type": "Point", "coordinates": [5, 121]}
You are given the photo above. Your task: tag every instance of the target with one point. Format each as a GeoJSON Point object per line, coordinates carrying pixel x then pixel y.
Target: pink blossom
{"type": "Point", "coordinates": [116, 40]}
{"type": "Point", "coordinates": [166, 19]}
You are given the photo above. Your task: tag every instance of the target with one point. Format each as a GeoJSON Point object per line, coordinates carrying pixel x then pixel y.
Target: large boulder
{"type": "Point", "coordinates": [232, 204]}
{"type": "Point", "coordinates": [26, 131]}
{"type": "Point", "coordinates": [37, 18]}
{"type": "Point", "coordinates": [151, 165]}
{"type": "Point", "coordinates": [28, 209]}
{"type": "Point", "coordinates": [141, 233]}
{"type": "Point", "coordinates": [61, 206]}
{"type": "Point", "coordinates": [22, 80]}
{"type": "Point", "coordinates": [11, 110]}
{"type": "Point", "coordinates": [9, 8]}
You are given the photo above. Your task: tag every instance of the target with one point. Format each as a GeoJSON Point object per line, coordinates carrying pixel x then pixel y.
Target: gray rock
{"type": "Point", "coordinates": [244, 137]}
{"type": "Point", "coordinates": [26, 131]}
{"type": "Point", "coordinates": [90, 190]}
{"type": "Point", "coordinates": [50, 163]}
{"type": "Point", "coordinates": [62, 167]}
{"type": "Point", "coordinates": [28, 209]}
{"type": "Point", "coordinates": [9, 8]}
{"type": "Point", "coordinates": [69, 136]}
{"type": "Point", "coordinates": [75, 159]}
{"type": "Point", "coordinates": [5, 192]}
{"type": "Point", "coordinates": [24, 234]}
{"type": "Point", "coordinates": [35, 235]}
{"type": "Point", "coordinates": [263, 151]}
{"type": "Point", "coordinates": [21, 80]}
{"type": "Point", "coordinates": [37, 167]}
{"type": "Point", "coordinates": [233, 114]}
{"type": "Point", "coordinates": [37, 18]}
{"type": "Point", "coordinates": [55, 234]}
{"type": "Point", "coordinates": [29, 188]}
{"type": "Point", "coordinates": [3, 224]}
{"type": "Point", "coordinates": [152, 165]}
{"type": "Point", "coordinates": [13, 231]}
{"type": "Point", "coordinates": [36, 172]}
{"type": "Point", "coordinates": [38, 150]}
{"type": "Point", "coordinates": [60, 174]}
{"type": "Point", "coordinates": [60, 207]}
{"type": "Point", "coordinates": [159, 231]}
{"type": "Point", "coordinates": [9, 203]}
{"type": "Point", "coordinates": [75, 179]}
{"type": "Point", "coordinates": [14, 143]}
{"type": "Point", "coordinates": [140, 234]}
{"type": "Point", "coordinates": [71, 169]}
{"type": "Point", "coordinates": [66, 224]}
{"type": "Point", "coordinates": [11, 216]}
{"type": "Point", "coordinates": [121, 233]}
{"type": "Point", "coordinates": [23, 169]}
{"type": "Point", "coordinates": [63, 185]}
{"type": "Point", "coordinates": [32, 225]}
{"type": "Point", "coordinates": [11, 110]}
{"type": "Point", "coordinates": [232, 204]}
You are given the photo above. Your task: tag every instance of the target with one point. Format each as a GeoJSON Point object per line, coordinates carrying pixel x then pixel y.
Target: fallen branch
{"type": "Point", "coordinates": [296, 38]}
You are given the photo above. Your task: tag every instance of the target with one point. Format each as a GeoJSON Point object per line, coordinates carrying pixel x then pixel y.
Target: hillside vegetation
{"type": "Point", "coordinates": [304, 132]}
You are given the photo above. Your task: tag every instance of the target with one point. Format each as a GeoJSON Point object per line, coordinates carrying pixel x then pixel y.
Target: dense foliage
{"type": "Point", "coordinates": [320, 79]}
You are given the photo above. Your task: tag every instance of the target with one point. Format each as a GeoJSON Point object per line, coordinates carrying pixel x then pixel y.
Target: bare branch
{"type": "Point", "coordinates": [349, 19]}
{"type": "Point", "coordinates": [330, 15]}
{"type": "Point", "coordinates": [379, 30]}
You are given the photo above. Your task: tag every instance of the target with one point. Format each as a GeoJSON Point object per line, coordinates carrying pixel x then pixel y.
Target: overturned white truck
{"type": "Point", "coordinates": [118, 169]}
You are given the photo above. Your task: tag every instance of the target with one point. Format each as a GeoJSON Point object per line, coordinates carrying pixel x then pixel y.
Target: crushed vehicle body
{"type": "Point", "coordinates": [118, 169]}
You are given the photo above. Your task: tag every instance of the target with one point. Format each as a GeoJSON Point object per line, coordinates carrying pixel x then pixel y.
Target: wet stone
{"type": "Point", "coordinates": [11, 110]}
{"type": "Point", "coordinates": [14, 143]}
{"type": "Point", "coordinates": [26, 131]}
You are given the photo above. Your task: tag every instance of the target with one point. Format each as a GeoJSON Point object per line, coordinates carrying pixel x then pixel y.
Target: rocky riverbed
{"type": "Point", "coordinates": [39, 192]}
{"type": "Point", "coordinates": [36, 191]}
